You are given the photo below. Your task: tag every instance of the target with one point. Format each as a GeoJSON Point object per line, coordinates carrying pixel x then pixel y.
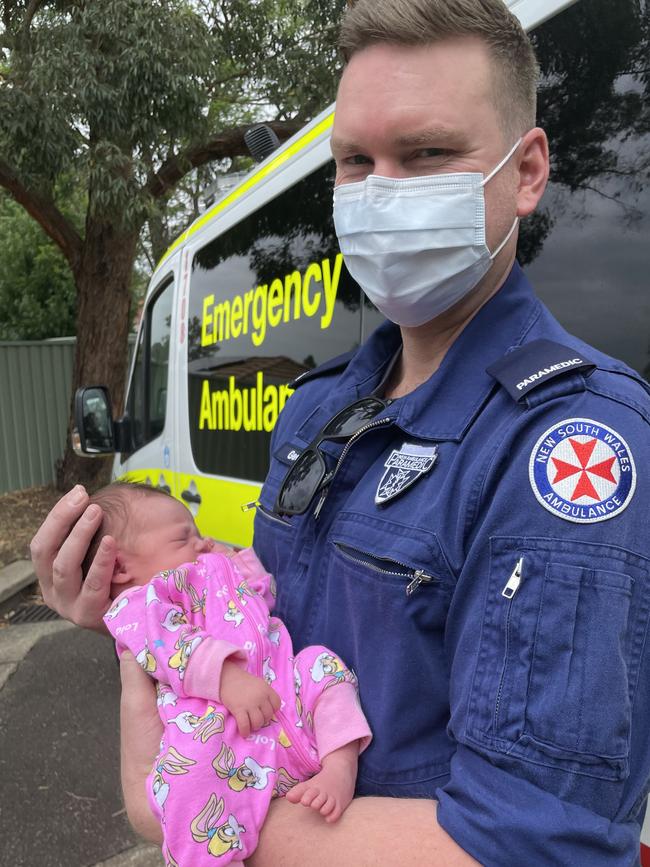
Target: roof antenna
{"type": "Point", "coordinates": [261, 141]}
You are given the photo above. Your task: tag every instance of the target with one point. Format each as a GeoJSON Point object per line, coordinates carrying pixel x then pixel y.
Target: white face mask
{"type": "Point", "coordinates": [416, 246]}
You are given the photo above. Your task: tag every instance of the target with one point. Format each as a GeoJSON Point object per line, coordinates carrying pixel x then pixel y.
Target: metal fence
{"type": "Point", "coordinates": [35, 383]}
{"type": "Point", "coordinates": [35, 393]}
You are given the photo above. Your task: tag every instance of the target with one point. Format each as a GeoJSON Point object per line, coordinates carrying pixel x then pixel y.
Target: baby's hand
{"type": "Point", "coordinates": [220, 548]}
{"type": "Point", "coordinates": [248, 698]}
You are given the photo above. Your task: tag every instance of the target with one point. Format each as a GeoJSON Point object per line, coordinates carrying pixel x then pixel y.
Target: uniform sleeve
{"type": "Point", "coordinates": [163, 624]}
{"type": "Point", "coordinates": [547, 638]}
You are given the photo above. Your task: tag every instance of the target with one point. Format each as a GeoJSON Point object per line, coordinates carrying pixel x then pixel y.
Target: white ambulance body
{"type": "Point", "coordinates": [255, 292]}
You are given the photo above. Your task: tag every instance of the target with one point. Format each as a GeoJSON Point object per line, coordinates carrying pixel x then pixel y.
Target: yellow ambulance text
{"type": "Point", "coordinates": [284, 300]}
{"type": "Point", "coordinates": [249, 409]}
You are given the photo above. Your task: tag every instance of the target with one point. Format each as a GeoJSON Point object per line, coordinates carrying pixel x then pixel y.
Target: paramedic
{"type": "Point", "coordinates": [466, 521]}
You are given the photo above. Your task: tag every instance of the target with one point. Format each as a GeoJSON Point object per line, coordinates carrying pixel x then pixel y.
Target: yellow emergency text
{"type": "Point", "coordinates": [308, 293]}
{"type": "Point", "coordinates": [249, 409]}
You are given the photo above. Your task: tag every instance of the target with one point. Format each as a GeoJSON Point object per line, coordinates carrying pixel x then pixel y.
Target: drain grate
{"type": "Point", "coordinates": [31, 614]}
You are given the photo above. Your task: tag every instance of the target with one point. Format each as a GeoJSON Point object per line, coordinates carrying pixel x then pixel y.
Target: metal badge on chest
{"type": "Point", "coordinates": [404, 467]}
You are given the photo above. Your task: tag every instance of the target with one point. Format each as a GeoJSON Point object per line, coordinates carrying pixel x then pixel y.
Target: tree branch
{"type": "Point", "coordinates": [32, 9]}
{"type": "Point", "coordinates": [630, 210]}
{"type": "Point", "coordinates": [46, 214]}
{"type": "Point", "coordinates": [229, 143]}
{"type": "Point", "coordinates": [220, 81]}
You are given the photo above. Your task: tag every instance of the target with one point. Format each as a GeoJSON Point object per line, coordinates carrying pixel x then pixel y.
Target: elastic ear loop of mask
{"type": "Point", "coordinates": [503, 162]}
{"type": "Point", "coordinates": [489, 178]}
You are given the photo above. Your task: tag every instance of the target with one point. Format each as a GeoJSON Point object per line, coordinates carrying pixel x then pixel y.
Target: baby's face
{"type": "Point", "coordinates": [166, 536]}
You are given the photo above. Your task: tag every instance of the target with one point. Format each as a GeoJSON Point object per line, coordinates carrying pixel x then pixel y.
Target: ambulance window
{"type": "Point", "coordinates": [586, 250]}
{"type": "Point", "coordinates": [147, 401]}
{"type": "Point", "coordinates": [269, 299]}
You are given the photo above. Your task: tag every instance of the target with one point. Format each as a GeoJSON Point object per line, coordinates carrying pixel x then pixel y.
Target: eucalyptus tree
{"type": "Point", "coordinates": [130, 97]}
{"type": "Point", "coordinates": [37, 292]}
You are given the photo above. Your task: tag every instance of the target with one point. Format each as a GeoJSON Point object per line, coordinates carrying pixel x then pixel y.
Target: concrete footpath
{"type": "Point", "coordinates": [60, 799]}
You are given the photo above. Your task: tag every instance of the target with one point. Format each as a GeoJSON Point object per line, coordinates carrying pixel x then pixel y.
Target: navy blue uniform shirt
{"type": "Point", "coordinates": [512, 682]}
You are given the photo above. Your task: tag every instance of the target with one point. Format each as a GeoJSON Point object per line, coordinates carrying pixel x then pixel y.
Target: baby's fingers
{"type": "Point", "coordinates": [256, 718]}
{"type": "Point", "coordinates": [276, 701]}
{"type": "Point", "coordinates": [243, 723]}
{"type": "Point", "coordinates": [268, 711]}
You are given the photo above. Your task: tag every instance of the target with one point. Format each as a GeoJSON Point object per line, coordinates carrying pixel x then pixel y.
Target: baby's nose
{"type": "Point", "coordinates": [203, 545]}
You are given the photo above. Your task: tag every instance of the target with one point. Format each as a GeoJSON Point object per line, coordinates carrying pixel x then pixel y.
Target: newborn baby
{"type": "Point", "coordinates": [244, 719]}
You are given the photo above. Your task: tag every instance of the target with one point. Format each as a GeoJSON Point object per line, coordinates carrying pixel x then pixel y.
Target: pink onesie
{"type": "Point", "coordinates": [210, 787]}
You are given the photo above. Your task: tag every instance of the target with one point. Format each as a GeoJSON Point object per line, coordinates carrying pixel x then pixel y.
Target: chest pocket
{"type": "Point", "coordinates": [559, 654]}
{"type": "Point", "coordinates": [395, 558]}
{"type": "Point", "coordinates": [381, 601]}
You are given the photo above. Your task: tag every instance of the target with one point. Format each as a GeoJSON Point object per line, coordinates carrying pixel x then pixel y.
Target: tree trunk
{"type": "Point", "coordinates": [158, 237]}
{"type": "Point", "coordinates": [103, 280]}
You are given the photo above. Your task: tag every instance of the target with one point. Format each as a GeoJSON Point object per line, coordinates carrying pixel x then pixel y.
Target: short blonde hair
{"type": "Point", "coordinates": [423, 22]}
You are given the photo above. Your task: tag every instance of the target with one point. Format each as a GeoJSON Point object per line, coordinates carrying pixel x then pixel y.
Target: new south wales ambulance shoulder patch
{"type": "Point", "coordinates": [582, 471]}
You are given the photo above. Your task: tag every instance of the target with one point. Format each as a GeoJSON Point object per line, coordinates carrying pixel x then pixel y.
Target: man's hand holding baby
{"type": "Point", "coordinates": [249, 699]}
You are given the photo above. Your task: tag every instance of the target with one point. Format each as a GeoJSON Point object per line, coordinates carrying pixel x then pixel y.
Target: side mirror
{"type": "Point", "coordinates": [93, 434]}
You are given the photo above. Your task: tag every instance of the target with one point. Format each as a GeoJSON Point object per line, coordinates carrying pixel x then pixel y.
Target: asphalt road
{"type": "Point", "coordinates": [60, 800]}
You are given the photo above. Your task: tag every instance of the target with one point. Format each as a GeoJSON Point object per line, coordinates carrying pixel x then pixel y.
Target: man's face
{"type": "Point", "coordinates": [406, 111]}
{"type": "Point", "coordinates": [163, 536]}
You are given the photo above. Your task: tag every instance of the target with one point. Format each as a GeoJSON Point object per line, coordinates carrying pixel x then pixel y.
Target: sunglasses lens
{"type": "Point", "coordinates": [353, 418]}
{"type": "Point", "coordinates": [301, 482]}
{"type": "Point", "coordinates": [305, 477]}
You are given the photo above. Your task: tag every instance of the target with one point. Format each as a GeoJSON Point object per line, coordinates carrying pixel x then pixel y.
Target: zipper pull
{"type": "Point", "coordinates": [319, 504]}
{"type": "Point", "coordinates": [514, 581]}
{"type": "Point", "coordinates": [419, 577]}
{"type": "Point", "coordinates": [246, 507]}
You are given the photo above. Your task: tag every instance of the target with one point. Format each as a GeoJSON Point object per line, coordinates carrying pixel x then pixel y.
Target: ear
{"type": "Point", "coordinates": [533, 167]}
{"type": "Point", "coordinates": [121, 573]}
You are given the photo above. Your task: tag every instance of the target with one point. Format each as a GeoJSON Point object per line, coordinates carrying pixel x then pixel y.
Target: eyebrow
{"type": "Point", "coordinates": [427, 136]}
{"type": "Point", "coordinates": [436, 134]}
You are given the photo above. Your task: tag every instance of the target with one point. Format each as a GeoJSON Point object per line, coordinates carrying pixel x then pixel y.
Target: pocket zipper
{"type": "Point", "coordinates": [515, 580]}
{"type": "Point", "coordinates": [267, 514]}
{"type": "Point", "coordinates": [417, 576]}
{"type": "Point", "coordinates": [508, 592]}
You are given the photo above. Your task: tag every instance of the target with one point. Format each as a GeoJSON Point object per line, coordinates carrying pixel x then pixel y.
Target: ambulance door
{"type": "Point", "coordinates": [268, 299]}
{"type": "Point", "coordinates": [149, 403]}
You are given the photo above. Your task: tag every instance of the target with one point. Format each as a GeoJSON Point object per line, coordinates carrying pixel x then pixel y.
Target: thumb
{"type": "Point", "coordinates": [140, 733]}
{"type": "Point", "coordinates": [140, 722]}
{"type": "Point", "coordinates": [138, 689]}
{"type": "Point", "coordinates": [130, 671]}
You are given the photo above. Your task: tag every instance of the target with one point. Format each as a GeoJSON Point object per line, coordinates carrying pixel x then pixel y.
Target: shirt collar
{"type": "Point", "coordinates": [443, 407]}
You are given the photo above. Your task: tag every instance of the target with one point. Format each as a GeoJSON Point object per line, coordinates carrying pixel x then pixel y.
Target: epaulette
{"type": "Point", "coordinates": [334, 364]}
{"type": "Point", "coordinates": [535, 364]}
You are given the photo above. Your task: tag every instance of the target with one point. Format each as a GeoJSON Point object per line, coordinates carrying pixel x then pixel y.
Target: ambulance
{"type": "Point", "coordinates": [255, 293]}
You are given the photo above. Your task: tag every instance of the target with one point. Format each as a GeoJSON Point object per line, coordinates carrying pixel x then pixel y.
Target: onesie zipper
{"type": "Point", "coordinates": [312, 765]}
{"type": "Point", "coordinates": [309, 763]}
{"type": "Point", "coordinates": [243, 608]}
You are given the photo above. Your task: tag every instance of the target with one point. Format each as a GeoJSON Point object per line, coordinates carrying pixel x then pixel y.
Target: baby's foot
{"type": "Point", "coordinates": [332, 789]}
